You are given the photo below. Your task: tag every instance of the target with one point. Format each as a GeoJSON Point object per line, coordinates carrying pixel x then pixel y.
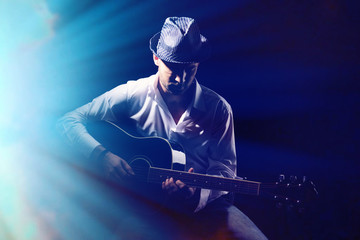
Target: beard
{"type": "Point", "coordinates": [176, 89]}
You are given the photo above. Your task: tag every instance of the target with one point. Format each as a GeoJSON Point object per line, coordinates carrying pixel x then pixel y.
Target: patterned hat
{"type": "Point", "coordinates": [180, 41]}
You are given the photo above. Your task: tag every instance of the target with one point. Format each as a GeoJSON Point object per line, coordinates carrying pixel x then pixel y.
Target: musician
{"type": "Point", "coordinates": [172, 104]}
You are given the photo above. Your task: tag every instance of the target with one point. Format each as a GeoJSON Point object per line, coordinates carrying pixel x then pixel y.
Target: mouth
{"type": "Point", "coordinates": [175, 88]}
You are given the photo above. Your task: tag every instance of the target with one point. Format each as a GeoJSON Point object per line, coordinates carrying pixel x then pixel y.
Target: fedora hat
{"type": "Point", "coordinates": [180, 41]}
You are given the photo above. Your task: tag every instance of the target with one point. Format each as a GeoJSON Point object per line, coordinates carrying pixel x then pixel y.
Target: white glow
{"type": "Point", "coordinates": [24, 25]}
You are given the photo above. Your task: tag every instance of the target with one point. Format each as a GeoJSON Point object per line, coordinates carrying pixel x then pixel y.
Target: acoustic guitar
{"type": "Point", "coordinates": [154, 159]}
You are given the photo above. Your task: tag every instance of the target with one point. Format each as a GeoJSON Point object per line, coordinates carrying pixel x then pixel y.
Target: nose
{"type": "Point", "coordinates": [178, 78]}
{"type": "Point", "coordinates": [179, 75]}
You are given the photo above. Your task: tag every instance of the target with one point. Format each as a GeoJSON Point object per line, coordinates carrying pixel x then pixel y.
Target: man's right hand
{"type": "Point", "coordinates": [116, 168]}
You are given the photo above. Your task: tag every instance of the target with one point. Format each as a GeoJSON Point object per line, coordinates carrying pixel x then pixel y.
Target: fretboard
{"type": "Point", "coordinates": [158, 175]}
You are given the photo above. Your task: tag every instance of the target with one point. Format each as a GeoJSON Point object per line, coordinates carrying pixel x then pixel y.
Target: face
{"type": "Point", "coordinates": [175, 78]}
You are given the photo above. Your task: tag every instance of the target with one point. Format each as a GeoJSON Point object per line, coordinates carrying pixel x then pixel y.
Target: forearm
{"type": "Point", "coordinates": [98, 153]}
{"type": "Point", "coordinates": [72, 127]}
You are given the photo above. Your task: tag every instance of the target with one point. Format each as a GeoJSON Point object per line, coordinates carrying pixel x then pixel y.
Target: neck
{"type": "Point", "coordinates": [177, 104]}
{"type": "Point", "coordinates": [183, 99]}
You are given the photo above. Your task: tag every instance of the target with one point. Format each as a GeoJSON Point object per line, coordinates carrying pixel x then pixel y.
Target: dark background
{"type": "Point", "coordinates": [290, 70]}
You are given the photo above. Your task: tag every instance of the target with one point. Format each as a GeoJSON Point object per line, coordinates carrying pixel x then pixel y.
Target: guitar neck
{"type": "Point", "coordinates": [158, 175]}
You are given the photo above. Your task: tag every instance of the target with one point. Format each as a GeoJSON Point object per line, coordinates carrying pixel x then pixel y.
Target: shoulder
{"type": "Point", "coordinates": [140, 83]}
{"type": "Point", "coordinates": [212, 98]}
{"type": "Point", "coordinates": [140, 87]}
{"type": "Point", "coordinates": [127, 97]}
{"type": "Point", "coordinates": [132, 88]}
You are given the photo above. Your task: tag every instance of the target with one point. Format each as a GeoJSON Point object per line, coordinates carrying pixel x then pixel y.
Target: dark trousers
{"type": "Point", "coordinates": [218, 220]}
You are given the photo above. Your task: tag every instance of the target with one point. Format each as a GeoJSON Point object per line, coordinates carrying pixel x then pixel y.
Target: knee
{"type": "Point", "coordinates": [241, 227]}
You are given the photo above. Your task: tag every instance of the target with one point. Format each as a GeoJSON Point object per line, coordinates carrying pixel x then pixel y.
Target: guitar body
{"type": "Point", "coordinates": [152, 151]}
{"type": "Point", "coordinates": [141, 153]}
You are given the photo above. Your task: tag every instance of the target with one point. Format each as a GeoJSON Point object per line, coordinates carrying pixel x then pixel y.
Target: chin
{"type": "Point", "coordinates": [176, 91]}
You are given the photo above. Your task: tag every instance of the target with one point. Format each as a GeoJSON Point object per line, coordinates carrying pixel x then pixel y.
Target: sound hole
{"type": "Point", "coordinates": [140, 167]}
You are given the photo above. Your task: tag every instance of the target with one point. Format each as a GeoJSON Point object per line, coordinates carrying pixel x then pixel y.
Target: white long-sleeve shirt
{"type": "Point", "coordinates": [205, 130]}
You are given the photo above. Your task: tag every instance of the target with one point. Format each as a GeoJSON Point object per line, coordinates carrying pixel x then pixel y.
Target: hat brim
{"type": "Point", "coordinates": [202, 54]}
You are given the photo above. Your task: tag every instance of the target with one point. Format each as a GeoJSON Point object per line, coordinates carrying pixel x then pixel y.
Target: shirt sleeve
{"type": "Point", "coordinates": [72, 126]}
{"type": "Point", "coordinates": [221, 152]}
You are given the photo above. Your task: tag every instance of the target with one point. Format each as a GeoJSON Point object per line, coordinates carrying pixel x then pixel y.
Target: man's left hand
{"type": "Point", "coordinates": [178, 188]}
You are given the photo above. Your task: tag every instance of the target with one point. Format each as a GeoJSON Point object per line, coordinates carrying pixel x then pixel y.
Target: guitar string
{"type": "Point", "coordinates": [186, 176]}
{"type": "Point", "coordinates": [223, 184]}
{"type": "Point", "coordinates": [226, 183]}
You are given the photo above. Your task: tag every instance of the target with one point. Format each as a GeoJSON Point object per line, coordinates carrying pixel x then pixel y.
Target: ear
{"type": "Point", "coordinates": [156, 60]}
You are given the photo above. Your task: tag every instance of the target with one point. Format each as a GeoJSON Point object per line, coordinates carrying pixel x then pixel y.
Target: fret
{"type": "Point", "coordinates": [158, 175]}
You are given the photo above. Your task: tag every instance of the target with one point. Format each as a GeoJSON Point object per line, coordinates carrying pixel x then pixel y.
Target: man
{"type": "Point", "coordinates": [172, 104]}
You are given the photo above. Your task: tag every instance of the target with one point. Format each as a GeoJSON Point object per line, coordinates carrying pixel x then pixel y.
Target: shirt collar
{"type": "Point", "coordinates": [157, 95]}
{"type": "Point", "coordinates": [199, 100]}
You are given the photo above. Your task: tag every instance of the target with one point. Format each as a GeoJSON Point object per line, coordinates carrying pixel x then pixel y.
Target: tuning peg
{"type": "Point", "coordinates": [281, 177]}
{"type": "Point", "coordinates": [304, 179]}
{"type": "Point", "coordinates": [293, 179]}
{"type": "Point", "coordinates": [314, 188]}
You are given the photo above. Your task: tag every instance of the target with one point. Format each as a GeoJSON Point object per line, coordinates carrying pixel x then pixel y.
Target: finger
{"type": "Point", "coordinates": [180, 184]}
{"type": "Point", "coordinates": [191, 170]}
{"type": "Point", "coordinates": [127, 168]}
{"type": "Point", "coordinates": [169, 183]}
{"type": "Point", "coordinates": [166, 184]}
{"type": "Point", "coordinates": [170, 186]}
{"type": "Point", "coordinates": [121, 171]}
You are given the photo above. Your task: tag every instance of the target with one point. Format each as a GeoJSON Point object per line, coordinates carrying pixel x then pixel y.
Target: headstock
{"type": "Point", "coordinates": [291, 192]}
